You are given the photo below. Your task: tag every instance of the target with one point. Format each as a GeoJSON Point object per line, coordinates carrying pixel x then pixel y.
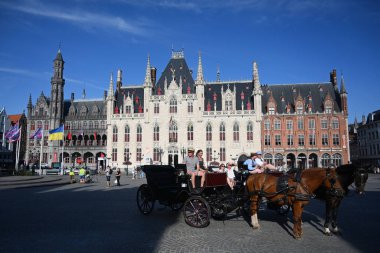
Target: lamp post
{"type": "Point", "coordinates": [161, 152]}
{"type": "Point", "coordinates": [183, 152]}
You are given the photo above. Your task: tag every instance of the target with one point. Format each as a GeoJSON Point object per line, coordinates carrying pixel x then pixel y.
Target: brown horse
{"type": "Point", "coordinates": [294, 192]}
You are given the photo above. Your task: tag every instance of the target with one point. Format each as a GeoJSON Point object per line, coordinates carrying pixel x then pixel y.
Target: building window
{"type": "Point", "coordinates": [289, 124]}
{"type": "Point", "coordinates": [268, 158]}
{"type": "Point", "coordinates": [328, 109]}
{"type": "Point", "coordinates": [250, 132]}
{"type": "Point", "coordinates": [311, 123]}
{"type": "Point", "coordinates": [228, 102]}
{"type": "Point", "coordinates": [324, 124]}
{"type": "Point", "coordinates": [128, 109]}
{"type": "Point", "coordinates": [335, 123]}
{"type": "Point", "coordinates": [103, 124]}
{"type": "Point", "coordinates": [222, 132]}
{"type": "Point", "coordinates": [156, 108]}
{"type": "Point", "coordinates": [32, 126]}
{"type": "Point", "coordinates": [325, 160]}
{"type": "Point", "coordinates": [173, 132]}
{"type": "Point", "coordinates": [300, 124]}
{"type": "Point", "coordinates": [139, 133]}
{"type": "Point", "coordinates": [208, 154]}
{"type": "Point", "coordinates": [190, 132]}
{"type": "Point", "coordinates": [299, 108]}
{"type": "Point", "coordinates": [126, 134]}
{"type": "Point", "coordinates": [271, 111]}
{"type": "Point", "coordinates": [222, 154]}
{"type": "Point", "coordinates": [236, 132]}
{"type": "Point", "coordinates": [267, 140]}
{"type": "Point", "coordinates": [114, 134]}
{"type": "Point", "coordinates": [335, 139]}
{"type": "Point", "coordinates": [96, 124]}
{"type": "Point", "coordinates": [156, 154]}
{"type": "Point", "coordinates": [301, 140]}
{"type": "Point", "coordinates": [190, 107]}
{"type": "Point", "coordinates": [208, 132]}
{"type": "Point", "coordinates": [277, 124]}
{"type": "Point", "coordinates": [126, 154]}
{"type": "Point", "coordinates": [39, 124]}
{"type": "Point", "coordinates": [173, 105]}
{"type": "Point", "coordinates": [312, 139]}
{"type": "Point", "coordinates": [267, 124]}
{"type": "Point", "coordinates": [290, 140]}
{"type": "Point", "coordinates": [325, 140]}
{"type": "Point", "coordinates": [114, 154]}
{"type": "Point", "coordinates": [138, 155]}
{"type": "Point", "coordinates": [277, 140]}
{"type": "Point", "coordinates": [336, 160]}
{"type": "Point", "coordinates": [156, 133]}
{"type": "Point", "coordinates": [46, 125]}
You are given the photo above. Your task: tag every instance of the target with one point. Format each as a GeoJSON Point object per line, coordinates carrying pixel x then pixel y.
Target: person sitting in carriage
{"type": "Point", "coordinates": [262, 165]}
{"type": "Point", "coordinates": [222, 168]}
{"type": "Point", "coordinates": [191, 164]}
{"type": "Point", "coordinates": [251, 164]}
{"type": "Point", "coordinates": [201, 169]}
{"type": "Point", "coordinates": [230, 176]}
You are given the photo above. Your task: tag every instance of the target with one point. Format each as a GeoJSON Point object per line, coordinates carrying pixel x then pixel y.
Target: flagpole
{"type": "Point", "coordinates": [18, 148]}
{"type": "Point", "coordinates": [3, 143]}
{"type": "Point", "coordinates": [42, 143]}
{"type": "Point", "coordinates": [63, 145]}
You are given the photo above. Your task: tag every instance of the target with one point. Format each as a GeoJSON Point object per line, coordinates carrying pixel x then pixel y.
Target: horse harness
{"type": "Point", "coordinates": [282, 187]}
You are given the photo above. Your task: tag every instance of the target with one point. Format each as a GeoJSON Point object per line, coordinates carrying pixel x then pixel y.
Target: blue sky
{"type": "Point", "coordinates": [292, 41]}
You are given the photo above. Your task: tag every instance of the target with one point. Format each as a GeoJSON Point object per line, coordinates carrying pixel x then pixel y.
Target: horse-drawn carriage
{"type": "Point", "coordinates": [171, 187]}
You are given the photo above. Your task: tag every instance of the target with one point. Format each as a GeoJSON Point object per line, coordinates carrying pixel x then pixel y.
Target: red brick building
{"type": "Point", "coordinates": [305, 125]}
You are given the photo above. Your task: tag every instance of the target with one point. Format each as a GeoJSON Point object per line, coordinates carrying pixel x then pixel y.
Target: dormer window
{"type": "Point", "coordinates": [271, 111]}
{"type": "Point", "coordinates": [173, 105]}
{"type": "Point", "coordinates": [299, 108]}
{"type": "Point", "coordinates": [228, 102]}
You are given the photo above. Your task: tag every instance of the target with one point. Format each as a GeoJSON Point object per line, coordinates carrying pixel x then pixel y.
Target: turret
{"type": "Point", "coordinates": [30, 105]}
{"type": "Point", "coordinates": [119, 79]}
{"type": "Point", "coordinates": [200, 78]}
{"type": "Point", "coordinates": [57, 92]}
{"type": "Point", "coordinates": [343, 96]}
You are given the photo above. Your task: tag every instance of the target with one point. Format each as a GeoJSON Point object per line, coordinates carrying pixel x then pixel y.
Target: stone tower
{"type": "Point", "coordinates": [57, 96]}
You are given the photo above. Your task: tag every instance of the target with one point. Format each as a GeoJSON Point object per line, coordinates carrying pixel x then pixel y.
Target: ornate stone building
{"type": "Point", "coordinates": [303, 125]}
{"type": "Point", "coordinates": [84, 120]}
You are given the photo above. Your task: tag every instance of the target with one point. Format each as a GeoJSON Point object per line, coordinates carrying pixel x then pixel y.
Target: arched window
{"type": "Point", "coordinates": [222, 132]}
{"type": "Point", "coordinates": [173, 132]}
{"type": "Point", "coordinates": [156, 133]}
{"type": "Point", "coordinates": [32, 126]}
{"type": "Point", "coordinates": [190, 132]}
{"type": "Point", "coordinates": [90, 125]}
{"type": "Point", "coordinates": [236, 132]}
{"type": "Point", "coordinates": [127, 133]}
{"type": "Point", "coordinates": [335, 123]}
{"type": "Point", "coordinates": [208, 132]}
{"type": "Point", "coordinates": [114, 154]}
{"type": "Point", "coordinates": [190, 107]}
{"type": "Point", "coordinates": [325, 160]}
{"type": "Point", "coordinates": [278, 160]}
{"type": "Point", "coordinates": [103, 124]}
{"type": "Point", "coordinates": [139, 133]}
{"type": "Point", "coordinates": [114, 134]}
{"type": "Point", "coordinates": [250, 132]}
{"type": "Point", "coordinates": [268, 158]}
{"type": "Point", "coordinates": [96, 124]}
{"type": "Point", "coordinates": [336, 159]}
{"type": "Point", "coordinates": [173, 105]}
{"type": "Point", "coordinates": [46, 127]}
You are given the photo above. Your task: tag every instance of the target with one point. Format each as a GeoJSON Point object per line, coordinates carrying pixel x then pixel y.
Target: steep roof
{"type": "Point", "coordinates": [135, 93]}
{"type": "Point", "coordinates": [287, 94]}
{"type": "Point", "coordinates": [14, 117]}
{"type": "Point", "coordinates": [178, 66]}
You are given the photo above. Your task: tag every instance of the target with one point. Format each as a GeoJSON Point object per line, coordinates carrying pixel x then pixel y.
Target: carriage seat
{"type": "Point", "coordinates": [216, 179]}
{"type": "Point", "coordinates": [161, 176]}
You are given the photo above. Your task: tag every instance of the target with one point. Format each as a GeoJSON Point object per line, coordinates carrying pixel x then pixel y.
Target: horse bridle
{"type": "Point", "coordinates": [332, 191]}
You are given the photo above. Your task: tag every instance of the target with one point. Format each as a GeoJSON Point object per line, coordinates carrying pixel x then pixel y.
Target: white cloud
{"type": "Point", "coordinates": [18, 71]}
{"type": "Point", "coordinates": [79, 17]}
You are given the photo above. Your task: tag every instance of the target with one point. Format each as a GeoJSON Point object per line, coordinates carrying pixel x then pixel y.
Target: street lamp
{"type": "Point", "coordinates": [183, 152]}
{"type": "Point", "coordinates": [161, 152]}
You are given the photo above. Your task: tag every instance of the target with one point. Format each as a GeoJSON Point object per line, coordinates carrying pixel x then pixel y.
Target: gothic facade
{"type": "Point", "coordinates": [299, 125]}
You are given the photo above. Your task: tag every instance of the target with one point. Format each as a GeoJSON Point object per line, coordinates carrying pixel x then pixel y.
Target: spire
{"type": "Point", "coordinates": [148, 77]}
{"type": "Point", "coordinates": [256, 80]}
{"type": "Point", "coordinates": [30, 101]}
{"type": "Point", "coordinates": [84, 94]}
{"type": "Point", "coordinates": [218, 74]}
{"type": "Point", "coordinates": [200, 79]}
{"type": "Point", "coordinates": [59, 55]}
{"type": "Point", "coordinates": [342, 86]}
{"type": "Point", "coordinates": [110, 90]}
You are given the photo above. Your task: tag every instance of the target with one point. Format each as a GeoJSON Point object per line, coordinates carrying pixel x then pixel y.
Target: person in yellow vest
{"type": "Point", "coordinates": [82, 173]}
{"type": "Point", "coordinates": [72, 175]}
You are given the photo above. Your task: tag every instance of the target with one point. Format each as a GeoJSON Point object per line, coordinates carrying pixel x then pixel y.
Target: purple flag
{"type": "Point", "coordinates": [37, 134]}
{"type": "Point", "coordinates": [11, 131]}
{"type": "Point", "coordinates": [15, 136]}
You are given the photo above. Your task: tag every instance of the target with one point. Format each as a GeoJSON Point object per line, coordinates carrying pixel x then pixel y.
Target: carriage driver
{"type": "Point", "coordinates": [251, 164]}
{"type": "Point", "coordinates": [191, 162]}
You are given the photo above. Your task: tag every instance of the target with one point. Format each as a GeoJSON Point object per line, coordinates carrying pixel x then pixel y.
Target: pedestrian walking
{"type": "Point", "coordinates": [117, 175]}
{"type": "Point", "coordinates": [108, 176]}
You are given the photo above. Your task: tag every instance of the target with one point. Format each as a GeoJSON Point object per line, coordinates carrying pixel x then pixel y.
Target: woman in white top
{"type": "Point", "coordinates": [230, 176]}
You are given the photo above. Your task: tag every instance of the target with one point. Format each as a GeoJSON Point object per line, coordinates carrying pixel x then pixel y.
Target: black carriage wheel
{"type": "Point", "coordinates": [175, 206]}
{"type": "Point", "coordinates": [145, 199]}
{"type": "Point", "coordinates": [197, 212]}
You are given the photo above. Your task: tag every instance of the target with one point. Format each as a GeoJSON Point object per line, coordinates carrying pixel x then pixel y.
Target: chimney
{"type": "Point", "coordinates": [72, 96]}
{"type": "Point", "coordinates": [333, 79]}
{"type": "Point", "coordinates": [153, 74]}
{"type": "Point", "coordinates": [105, 95]}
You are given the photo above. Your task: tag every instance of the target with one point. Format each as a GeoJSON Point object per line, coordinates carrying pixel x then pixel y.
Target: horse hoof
{"type": "Point", "coordinates": [256, 227]}
{"type": "Point", "coordinates": [327, 233]}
